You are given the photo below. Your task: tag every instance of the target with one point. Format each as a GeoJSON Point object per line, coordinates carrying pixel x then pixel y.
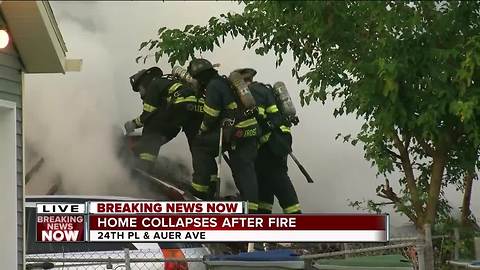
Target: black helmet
{"type": "Point", "coordinates": [247, 73]}
{"type": "Point", "coordinates": [197, 65]}
{"type": "Point", "coordinates": [137, 78]}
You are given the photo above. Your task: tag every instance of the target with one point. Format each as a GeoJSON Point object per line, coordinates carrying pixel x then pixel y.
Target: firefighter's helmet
{"type": "Point", "coordinates": [198, 65]}
{"type": "Point", "coordinates": [247, 73]}
{"type": "Point", "coordinates": [136, 79]}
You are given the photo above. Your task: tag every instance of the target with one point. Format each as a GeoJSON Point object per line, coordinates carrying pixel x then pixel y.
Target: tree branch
{"type": "Point", "coordinates": [425, 146]}
{"type": "Point", "coordinates": [467, 194]}
{"type": "Point", "coordinates": [388, 193]}
{"type": "Point", "coordinates": [409, 176]}
{"type": "Point", "coordinates": [393, 154]}
{"type": "Point", "coordinates": [383, 203]}
{"type": "Point", "coordinates": [436, 177]}
{"type": "Point", "coordinates": [407, 140]}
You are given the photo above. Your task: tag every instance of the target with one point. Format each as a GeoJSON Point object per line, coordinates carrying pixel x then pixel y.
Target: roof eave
{"type": "Point", "coordinates": [36, 35]}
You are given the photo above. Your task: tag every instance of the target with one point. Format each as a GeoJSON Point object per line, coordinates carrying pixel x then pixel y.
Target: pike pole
{"type": "Point", "coordinates": [302, 169]}
{"type": "Point", "coordinates": [219, 163]}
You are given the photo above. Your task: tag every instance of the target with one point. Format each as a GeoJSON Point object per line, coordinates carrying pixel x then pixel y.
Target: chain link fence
{"type": "Point", "coordinates": [142, 259]}
{"type": "Point", "coordinates": [154, 259]}
{"type": "Point", "coordinates": [196, 258]}
{"type": "Point", "coordinates": [339, 250]}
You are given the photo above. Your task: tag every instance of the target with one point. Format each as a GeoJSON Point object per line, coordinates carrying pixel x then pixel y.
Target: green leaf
{"type": "Point", "coordinates": [142, 45]}
{"type": "Point", "coordinates": [152, 44]}
{"type": "Point", "coordinates": [157, 56]}
{"type": "Point", "coordinates": [160, 30]}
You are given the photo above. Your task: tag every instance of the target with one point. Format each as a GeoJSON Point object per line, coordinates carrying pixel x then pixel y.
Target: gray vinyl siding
{"type": "Point", "coordinates": [11, 89]}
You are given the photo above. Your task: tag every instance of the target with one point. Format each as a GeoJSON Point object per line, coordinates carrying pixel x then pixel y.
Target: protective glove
{"type": "Point", "coordinates": [295, 120]}
{"type": "Point", "coordinates": [130, 126]}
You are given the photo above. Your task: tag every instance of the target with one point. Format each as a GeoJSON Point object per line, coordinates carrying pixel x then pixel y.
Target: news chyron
{"type": "Point", "coordinates": [199, 221]}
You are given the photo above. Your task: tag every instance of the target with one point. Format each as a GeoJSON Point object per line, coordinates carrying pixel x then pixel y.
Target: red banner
{"type": "Point", "coordinates": [64, 228]}
{"type": "Point", "coordinates": [238, 222]}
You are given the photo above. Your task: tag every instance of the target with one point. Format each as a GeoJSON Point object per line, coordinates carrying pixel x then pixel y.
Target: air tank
{"type": "Point", "coordinates": [242, 90]}
{"type": "Point", "coordinates": [183, 74]}
{"type": "Point", "coordinates": [284, 101]}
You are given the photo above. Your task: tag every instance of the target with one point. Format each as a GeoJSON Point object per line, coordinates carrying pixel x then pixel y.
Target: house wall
{"type": "Point", "coordinates": [8, 172]}
{"type": "Point", "coordinates": [11, 90]}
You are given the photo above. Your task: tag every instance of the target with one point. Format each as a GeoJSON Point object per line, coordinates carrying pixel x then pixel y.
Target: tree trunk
{"type": "Point", "coordinates": [467, 184]}
{"type": "Point", "coordinates": [436, 178]}
{"type": "Point", "coordinates": [425, 253]}
{"type": "Point", "coordinates": [438, 167]}
{"type": "Point", "coordinates": [429, 255]}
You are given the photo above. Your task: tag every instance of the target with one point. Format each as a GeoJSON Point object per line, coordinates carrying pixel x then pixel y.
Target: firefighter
{"type": "Point", "coordinates": [168, 106]}
{"type": "Point", "coordinates": [274, 146]}
{"type": "Point", "coordinates": [223, 109]}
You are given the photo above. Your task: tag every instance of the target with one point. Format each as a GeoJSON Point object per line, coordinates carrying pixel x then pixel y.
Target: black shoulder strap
{"type": "Point", "coordinates": [230, 84]}
{"type": "Point", "coordinates": [166, 86]}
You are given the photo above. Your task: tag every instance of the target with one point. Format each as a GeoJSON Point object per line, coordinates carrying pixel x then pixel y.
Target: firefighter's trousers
{"type": "Point", "coordinates": [273, 180]}
{"type": "Point", "coordinates": [242, 153]}
{"type": "Point", "coordinates": [156, 132]}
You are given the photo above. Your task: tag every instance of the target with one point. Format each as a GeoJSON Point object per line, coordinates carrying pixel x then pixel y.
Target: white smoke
{"type": "Point", "coordinates": [70, 120]}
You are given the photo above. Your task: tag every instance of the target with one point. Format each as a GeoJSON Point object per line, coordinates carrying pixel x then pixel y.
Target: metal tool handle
{"type": "Point", "coordinates": [299, 165]}
{"type": "Point", "coordinates": [302, 169]}
{"type": "Point", "coordinates": [219, 163]}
